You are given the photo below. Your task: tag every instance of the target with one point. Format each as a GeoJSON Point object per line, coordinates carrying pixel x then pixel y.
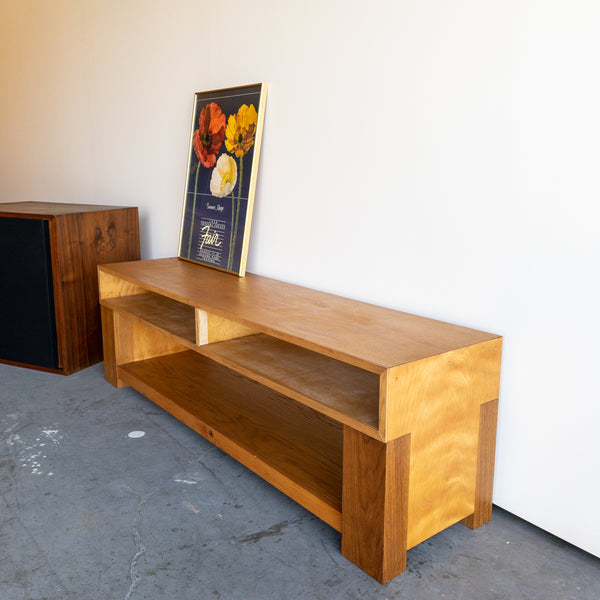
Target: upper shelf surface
{"type": "Point", "coordinates": [363, 334]}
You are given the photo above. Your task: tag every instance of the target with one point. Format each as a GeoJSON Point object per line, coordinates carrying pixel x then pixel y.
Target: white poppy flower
{"type": "Point", "coordinates": [224, 176]}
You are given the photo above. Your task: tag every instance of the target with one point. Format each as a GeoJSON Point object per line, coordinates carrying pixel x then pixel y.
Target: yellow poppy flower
{"type": "Point", "coordinates": [240, 130]}
{"type": "Point", "coordinates": [224, 176]}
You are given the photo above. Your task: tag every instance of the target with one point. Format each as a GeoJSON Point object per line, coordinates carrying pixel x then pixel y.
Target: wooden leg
{"type": "Point", "coordinates": [375, 503]}
{"type": "Point", "coordinates": [108, 343]}
{"type": "Point", "coordinates": [484, 484]}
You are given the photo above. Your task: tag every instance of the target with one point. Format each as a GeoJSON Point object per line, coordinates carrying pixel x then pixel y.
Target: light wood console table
{"type": "Point", "coordinates": [381, 423]}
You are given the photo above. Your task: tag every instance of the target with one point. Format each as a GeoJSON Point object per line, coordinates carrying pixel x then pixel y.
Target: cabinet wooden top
{"type": "Point", "coordinates": [363, 334]}
{"type": "Point", "coordinates": [51, 209]}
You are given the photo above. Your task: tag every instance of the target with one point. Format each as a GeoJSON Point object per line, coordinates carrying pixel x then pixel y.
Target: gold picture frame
{"type": "Point", "coordinates": [222, 169]}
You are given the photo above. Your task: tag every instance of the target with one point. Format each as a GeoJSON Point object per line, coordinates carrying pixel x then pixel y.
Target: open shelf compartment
{"type": "Point", "coordinates": [342, 391]}
{"type": "Point", "coordinates": [296, 449]}
{"type": "Point", "coordinates": [166, 315]}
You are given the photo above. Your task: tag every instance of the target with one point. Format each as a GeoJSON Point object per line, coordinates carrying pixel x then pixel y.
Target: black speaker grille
{"type": "Point", "coordinates": [27, 317]}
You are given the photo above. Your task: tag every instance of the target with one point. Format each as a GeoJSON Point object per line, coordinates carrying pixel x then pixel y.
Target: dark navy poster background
{"type": "Point", "coordinates": [208, 220]}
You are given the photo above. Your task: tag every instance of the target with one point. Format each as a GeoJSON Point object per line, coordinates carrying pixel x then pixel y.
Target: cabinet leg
{"type": "Point", "coordinates": [108, 343]}
{"type": "Point", "coordinates": [375, 503]}
{"type": "Point", "coordinates": [484, 484]}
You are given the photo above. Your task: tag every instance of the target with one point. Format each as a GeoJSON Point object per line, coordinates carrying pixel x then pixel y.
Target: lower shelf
{"type": "Point", "coordinates": [293, 447]}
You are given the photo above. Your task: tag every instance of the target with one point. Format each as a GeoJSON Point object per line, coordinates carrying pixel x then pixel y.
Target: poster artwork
{"type": "Point", "coordinates": [221, 177]}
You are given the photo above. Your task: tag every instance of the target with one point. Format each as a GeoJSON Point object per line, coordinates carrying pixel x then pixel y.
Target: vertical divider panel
{"type": "Point", "coordinates": [213, 328]}
{"type": "Point", "coordinates": [201, 327]}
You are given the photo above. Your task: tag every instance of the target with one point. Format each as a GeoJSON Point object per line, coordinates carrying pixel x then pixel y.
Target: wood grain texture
{"type": "Point", "coordinates": [43, 210]}
{"type": "Point", "coordinates": [110, 286]}
{"type": "Point", "coordinates": [108, 341]}
{"type": "Point", "coordinates": [166, 315]}
{"type": "Point", "coordinates": [341, 391]}
{"type": "Point", "coordinates": [81, 237]}
{"type": "Point", "coordinates": [375, 503]}
{"type": "Point", "coordinates": [296, 449]}
{"type": "Point", "coordinates": [437, 401]}
{"type": "Point", "coordinates": [86, 240]}
{"type": "Point", "coordinates": [136, 341]}
{"type": "Point", "coordinates": [416, 399]}
{"type": "Point", "coordinates": [367, 336]}
{"type": "Point", "coordinates": [484, 486]}
{"type": "Point", "coordinates": [212, 328]}
{"type": "Point", "coordinates": [128, 339]}
{"type": "Point", "coordinates": [346, 393]}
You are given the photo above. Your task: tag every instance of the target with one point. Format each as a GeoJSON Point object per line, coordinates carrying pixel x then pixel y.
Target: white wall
{"type": "Point", "coordinates": [436, 157]}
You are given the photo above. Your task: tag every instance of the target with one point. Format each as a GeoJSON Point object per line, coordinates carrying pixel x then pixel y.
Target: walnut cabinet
{"type": "Point", "coordinates": [49, 253]}
{"type": "Point", "coordinates": [381, 423]}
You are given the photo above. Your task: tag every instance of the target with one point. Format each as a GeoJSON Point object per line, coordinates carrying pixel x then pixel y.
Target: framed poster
{"type": "Point", "coordinates": [221, 177]}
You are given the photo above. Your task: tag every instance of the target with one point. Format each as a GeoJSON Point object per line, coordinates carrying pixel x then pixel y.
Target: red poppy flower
{"type": "Point", "coordinates": [209, 136]}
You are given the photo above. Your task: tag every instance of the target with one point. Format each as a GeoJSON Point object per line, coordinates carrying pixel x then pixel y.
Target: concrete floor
{"type": "Point", "coordinates": [89, 513]}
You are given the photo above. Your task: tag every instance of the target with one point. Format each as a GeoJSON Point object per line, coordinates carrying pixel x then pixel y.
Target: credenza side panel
{"type": "Point", "coordinates": [437, 400]}
{"type": "Point", "coordinates": [86, 240]}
